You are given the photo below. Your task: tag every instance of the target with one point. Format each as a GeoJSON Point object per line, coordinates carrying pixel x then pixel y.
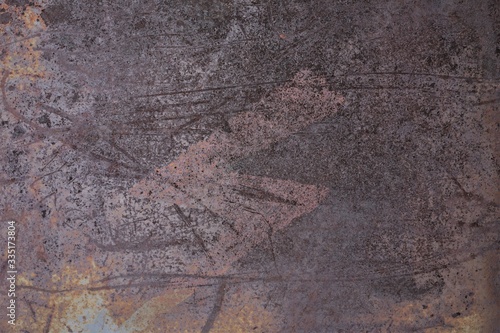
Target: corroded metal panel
{"type": "Point", "coordinates": [249, 166]}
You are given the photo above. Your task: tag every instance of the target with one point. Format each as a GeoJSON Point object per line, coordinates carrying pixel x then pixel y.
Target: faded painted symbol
{"type": "Point", "coordinates": [255, 207]}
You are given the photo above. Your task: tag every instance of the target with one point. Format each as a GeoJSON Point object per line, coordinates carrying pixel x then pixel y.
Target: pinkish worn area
{"type": "Point", "coordinates": [255, 206]}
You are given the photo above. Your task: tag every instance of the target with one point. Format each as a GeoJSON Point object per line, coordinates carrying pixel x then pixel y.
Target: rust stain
{"type": "Point", "coordinates": [20, 57]}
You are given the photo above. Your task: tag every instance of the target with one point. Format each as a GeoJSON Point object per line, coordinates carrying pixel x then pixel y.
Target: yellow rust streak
{"type": "Point", "coordinates": [21, 59]}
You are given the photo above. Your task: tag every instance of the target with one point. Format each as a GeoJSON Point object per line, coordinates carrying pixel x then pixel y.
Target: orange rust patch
{"type": "Point", "coordinates": [21, 59]}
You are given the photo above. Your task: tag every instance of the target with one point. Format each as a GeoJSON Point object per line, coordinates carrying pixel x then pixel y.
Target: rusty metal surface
{"type": "Point", "coordinates": [251, 166]}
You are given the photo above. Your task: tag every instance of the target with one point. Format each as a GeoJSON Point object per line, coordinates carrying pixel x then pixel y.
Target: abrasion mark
{"type": "Point", "coordinates": [63, 134]}
{"type": "Point", "coordinates": [187, 221]}
{"type": "Point", "coordinates": [46, 329]}
{"type": "Point", "coordinates": [255, 193]}
{"type": "Point", "coordinates": [203, 280]}
{"type": "Point", "coordinates": [219, 299]}
{"type": "Point", "coordinates": [30, 307]}
{"type": "Point", "coordinates": [141, 246]}
{"type": "Point", "coordinates": [236, 86]}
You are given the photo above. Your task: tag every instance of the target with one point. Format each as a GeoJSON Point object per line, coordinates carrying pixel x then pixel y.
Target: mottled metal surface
{"type": "Point", "coordinates": [251, 166]}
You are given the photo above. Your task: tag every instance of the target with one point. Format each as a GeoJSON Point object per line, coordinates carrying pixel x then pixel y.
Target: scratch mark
{"type": "Point", "coordinates": [221, 291]}
{"type": "Point", "coordinates": [491, 101]}
{"type": "Point", "coordinates": [49, 321]}
{"type": "Point", "coordinates": [32, 311]}
{"type": "Point", "coordinates": [441, 76]}
{"type": "Point", "coordinates": [188, 223]}
{"type": "Point", "coordinates": [177, 92]}
{"type": "Point", "coordinates": [22, 40]}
